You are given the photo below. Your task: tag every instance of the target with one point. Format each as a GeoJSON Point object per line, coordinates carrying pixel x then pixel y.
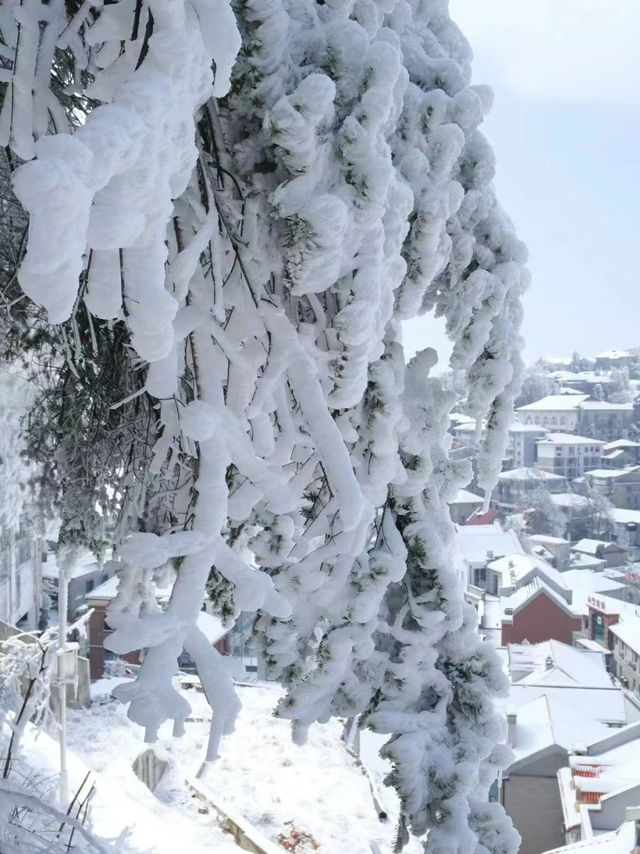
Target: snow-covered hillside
{"type": "Point", "coordinates": [317, 788]}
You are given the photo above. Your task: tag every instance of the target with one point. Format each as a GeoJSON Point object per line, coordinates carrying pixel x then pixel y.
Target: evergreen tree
{"type": "Point", "coordinates": [227, 244]}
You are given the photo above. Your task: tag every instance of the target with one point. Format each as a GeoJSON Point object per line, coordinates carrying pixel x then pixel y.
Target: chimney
{"type": "Point", "coordinates": [512, 720]}
{"type": "Point", "coordinates": [633, 814]}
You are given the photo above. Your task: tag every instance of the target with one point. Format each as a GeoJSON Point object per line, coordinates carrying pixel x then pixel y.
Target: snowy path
{"type": "Point", "coordinates": [262, 775]}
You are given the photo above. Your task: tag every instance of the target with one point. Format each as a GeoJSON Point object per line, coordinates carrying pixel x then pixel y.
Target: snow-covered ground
{"type": "Point", "coordinates": [317, 788]}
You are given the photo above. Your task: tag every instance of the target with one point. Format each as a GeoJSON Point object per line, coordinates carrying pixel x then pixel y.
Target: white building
{"type": "Point", "coordinates": [20, 578]}
{"type": "Point", "coordinates": [556, 412]}
{"type": "Point", "coordinates": [522, 443]}
{"type": "Point", "coordinates": [568, 455]}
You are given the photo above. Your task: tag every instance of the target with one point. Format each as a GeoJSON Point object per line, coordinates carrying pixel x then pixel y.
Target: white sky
{"type": "Point", "coordinates": [565, 127]}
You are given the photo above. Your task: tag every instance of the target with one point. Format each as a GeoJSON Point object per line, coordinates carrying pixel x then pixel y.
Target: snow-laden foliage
{"type": "Point", "coordinates": [253, 203]}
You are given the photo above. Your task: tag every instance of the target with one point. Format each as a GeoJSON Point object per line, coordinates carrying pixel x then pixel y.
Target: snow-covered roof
{"type": "Point", "coordinates": [581, 561]}
{"type": "Point", "coordinates": [571, 500]}
{"type": "Point", "coordinates": [463, 496]}
{"type": "Point", "coordinates": [585, 582]}
{"type": "Point", "coordinates": [628, 631]}
{"type": "Point", "coordinates": [603, 406]}
{"type": "Point", "coordinates": [548, 717]}
{"type": "Point", "coordinates": [615, 354]}
{"type": "Point", "coordinates": [588, 709]}
{"type": "Point", "coordinates": [621, 443]}
{"type": "Point", "coordinates": [610, 456]}
{"type": "Point", "coordinates": [624, 517]}
{"type": "Point", "coordinates": [620, 841]}
{"type": "Point", "coordinates": [107, 590]}
{"type": "Point", "coordinates": [517, 427]}
{"type": "Point", "coordinates": [521, 597]}
{"type": "Point", "coordinates": [547, 539]}
{"type": "Point", "coordinates": [558, 402]}
{"type": "Point", "coordinates": [515, 567]}
{"type": "Point", "coordinates": [591, 547]}
{"type": "Point", "coordinates": [461, 418]}
{"type": "Point", "coordinates": [525, 474]}
{"type": "Point", "coordinates": [609, 605]}
{"type": "Point", "coordinates": [212, 627]}
{"type": "Point", "coordinates": [84, 564]}
{"type": "Point", "coordinates": [568, 439]}
{"type": "Point", "coordinates": [478, 542]}
{"type": "Point", "coordinates": [539, 660]}
{"type": "Point", "coordinates": [611, 474]}
{"type": "Point", "coordinates": [581, 376]}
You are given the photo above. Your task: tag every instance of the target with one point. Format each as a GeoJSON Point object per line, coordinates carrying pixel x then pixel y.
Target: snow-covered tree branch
{"type": "Point", "coordinates": [251, 201]}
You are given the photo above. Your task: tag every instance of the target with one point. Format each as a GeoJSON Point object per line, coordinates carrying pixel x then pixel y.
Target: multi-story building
{"type": "Point", "coordinates": [568, 455]}
{"type": "Point", "coordinates": [603, 420]}
{"type": "Point", "coordinates": [555, 412]}
{"type": "Point", "coordinates": [522, 443]}
{"type": "Point", "coordinates": [620, 486]}
{"type": "Point", "coordinates": [514, 488]}
{"type": "Point", "coordinates": [621, 453]}
{"type": "Point", "coordinates": [615, 359]}
{"type": "Point", "coordinates": [20, 577]}
{"type": "Point", "coordinates": [626, 652]}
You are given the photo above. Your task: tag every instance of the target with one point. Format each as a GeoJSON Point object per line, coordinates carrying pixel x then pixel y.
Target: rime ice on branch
{"type": "Point", "coordinates": [260, 229]}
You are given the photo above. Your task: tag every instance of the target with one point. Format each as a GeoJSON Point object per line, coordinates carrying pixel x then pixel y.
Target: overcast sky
{"type": "Point", "coordinates": [565, 127]}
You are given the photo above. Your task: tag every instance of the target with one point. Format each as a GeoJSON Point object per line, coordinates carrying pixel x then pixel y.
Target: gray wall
{"type": "Point", "coordinates": [534, 806]}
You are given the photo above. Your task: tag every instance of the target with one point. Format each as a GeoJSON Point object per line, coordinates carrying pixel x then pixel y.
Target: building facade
{"type": "Point", "coordinates": [568, 455]}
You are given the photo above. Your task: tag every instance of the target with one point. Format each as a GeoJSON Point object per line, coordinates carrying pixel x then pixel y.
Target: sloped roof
{"type": "Point", "coordinates": [612, 474]}
{"type": "Point", "coordinates": [568, 439]}
{"type": "Point", "coordinates": [603, 406]}
{"type": "Point", "coordinates": [590, 547]}
{"type": "Point", "coordinates": [477, 541]}
{"type": "Point", "coordinates": [585, 582]}
{"type": "Point", "coordinates": [525, 594]}
{"type": "Point", "coordinates": [624, 517]}
{"type": "Point", "coordinates": [517, 427]}
{"type": "Point", "coordinates": [621, 443]}
{"type": "Point", "coordinates": [628, 631]}
{"type": "Point", "coordinates": [560, 402]}
{"type": "Point", "coordinates": [528, 474]}
{"type": "Point", "coordinates": [585, 711]}
{"type": "Point", "coordinates": [463, 496]}
{"type": "Point", "coordinates": [569, 665]}
{"type": "Point", "coordinates": [517, 566]}
{"type": "Point", "coordinates": [546, 717]}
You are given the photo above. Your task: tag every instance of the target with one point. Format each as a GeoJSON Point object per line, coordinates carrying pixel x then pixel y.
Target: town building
{"type": "Point", "coordinates": [605, 611]}
{"type": "Point", "coordinates": [568, 455]}
{"type": "Point", "coordinates": [612, 553]}
{"type": "Point", "coordinates": [561, 700]}
{"type": "Point", "coordinates": [99, 599]}
{"type": "Point", "coordinates": [555, 412]}
{"type": "Point", "coordinates": [621, 453]}
{"type": "Point", "coordinates": [626, 653]}
{"type": "Point", "coordinates": [521, 448]}
{"type": "Point", "coordinates": [607, 421]}
{"type": "Point", "coordinates": [20, 577]}
{"type": "Point", "coordinates": [580, 514]}
{"type": "Point", "coordinates": [625, 530]}
{"type": "Point", "coordinates": [620, 486]}
{"type": "Point", "coordinates": [612, 359]}
{"type": "Point", "coordinates": [514, 487]}
{"type": "Point", "coordinates": [586, 382]}
{"type": "Point", "coordinates": [599, 784]}
{"type": "Point", "coordinates": [464, 505]}
{"type": "Point", "coordinates": [558, 550]}
{"type": "Point", "coordinates": [83, 577]}
{"type": "Point", "coordinates": [538, 612]}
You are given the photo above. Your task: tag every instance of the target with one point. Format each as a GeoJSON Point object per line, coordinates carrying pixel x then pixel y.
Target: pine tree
{"type": "Point", "coordinates": [252, 239]}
